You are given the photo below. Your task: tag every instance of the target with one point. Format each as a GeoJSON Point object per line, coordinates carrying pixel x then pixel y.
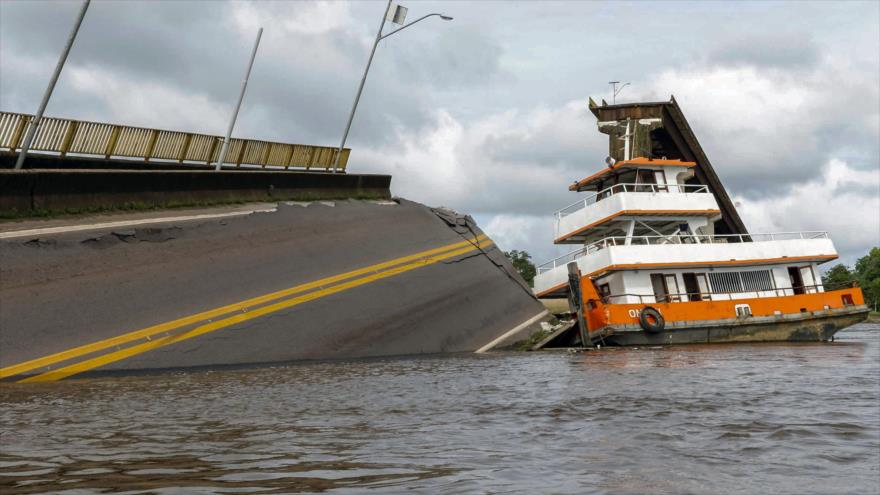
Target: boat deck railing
{"type": "Point", "coordinates": [629, 187]}
{"type": "Point", "coordinates": [67, 137]}
{"type": "Point", "coordinates": [724, 296]}
{"type": "Point", "coordinates": [676, 239]}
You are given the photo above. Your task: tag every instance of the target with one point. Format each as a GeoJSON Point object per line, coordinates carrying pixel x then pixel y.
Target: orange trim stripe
{"type": "Point", "coordinates": [552, 289]}
{"type": "Point", "coordinates": [639, 213]}
{"type": "Point", "coordinates": [635, 161]}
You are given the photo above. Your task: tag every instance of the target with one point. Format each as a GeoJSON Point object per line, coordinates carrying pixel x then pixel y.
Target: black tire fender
{"type": "Point", "coordinates": [651, 320]}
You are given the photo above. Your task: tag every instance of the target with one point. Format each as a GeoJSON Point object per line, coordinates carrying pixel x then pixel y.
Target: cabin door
{"type": "Point", "coordinates": [797, 282]}
{"type": "Point", "coordinates": [695, 285]}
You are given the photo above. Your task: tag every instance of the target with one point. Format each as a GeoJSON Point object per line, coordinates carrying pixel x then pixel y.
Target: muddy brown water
{"type": "Point", "coordinates": [762, 418]}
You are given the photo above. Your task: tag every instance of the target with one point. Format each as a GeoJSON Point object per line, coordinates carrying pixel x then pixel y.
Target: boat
{"type": "Point", "coordinates": [663, 257]}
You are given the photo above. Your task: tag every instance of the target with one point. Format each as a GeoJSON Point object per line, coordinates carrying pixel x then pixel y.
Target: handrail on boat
{"type": "Point", "coordinates": [629, 187]}
{"type": "Point", "coordinates": [708, 296]}
{"type": "Point", "coordinates": [676, 239]}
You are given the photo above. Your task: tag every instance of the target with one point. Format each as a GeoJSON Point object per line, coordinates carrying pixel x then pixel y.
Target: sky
{"type": "Point", "coordinates": [487, 114]}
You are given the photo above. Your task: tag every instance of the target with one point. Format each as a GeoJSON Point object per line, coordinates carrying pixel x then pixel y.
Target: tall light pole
{"type": "Point", "coordinates": [244, 83]}
{"type": "Point", "coordinates": [398, 16]}
{"type": "Point", "coordinates": [32, 128]}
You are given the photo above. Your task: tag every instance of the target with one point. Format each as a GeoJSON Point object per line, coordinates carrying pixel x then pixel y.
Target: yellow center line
{"type": "Point", "coordinates": [221, 311]}
{"type": "Point", "coordinates": [121, 354]}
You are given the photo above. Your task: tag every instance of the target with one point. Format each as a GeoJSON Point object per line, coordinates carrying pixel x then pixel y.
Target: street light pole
{"type": "Point", "coordinates": [379, 37]}
{"type": "Point", "coordinates": [361, 87]}
{"type": "Point", "coordinates": [244, 84]}
{"type": "Point", "coordinates": [32, 128]}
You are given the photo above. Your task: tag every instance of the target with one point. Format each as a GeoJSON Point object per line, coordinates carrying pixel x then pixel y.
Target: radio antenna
{"type": "Point", "coordinates": [615, 90]}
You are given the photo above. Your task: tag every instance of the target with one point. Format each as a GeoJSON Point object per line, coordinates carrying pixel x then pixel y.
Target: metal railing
{"type": "Point", "coordinates": [676, 239]}
{"type": "Point", "coordinates": [619, 188]}
{"type": "Point", "coordinates": [77, 137]}
{"type": "Point", "coordinates": [728, 296]}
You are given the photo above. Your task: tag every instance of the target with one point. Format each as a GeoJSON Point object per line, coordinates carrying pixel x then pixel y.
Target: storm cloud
{"type": "Point", "coordinates": [487, 114]}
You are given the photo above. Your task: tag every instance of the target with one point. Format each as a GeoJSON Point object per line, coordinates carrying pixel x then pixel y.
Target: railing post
{"type": "Point", "coordinates": [212, 150]}
{"type": "Point", "coordinates": [244, 145]}
{"type": "Point", "coordinates": [289, 157]}
{"type": "Point", "coordinates": [265, 158]}
{"type": "Point", "coordinates": [151, 144]}
{"type": "Point", "coordinates": [19, 128]}
{"type": "Point", "coordinates": [68, 137]}
{"type": "Point", "coordinates": [187, 138]}
{"type": "Point", "coordinates": [111, 142]}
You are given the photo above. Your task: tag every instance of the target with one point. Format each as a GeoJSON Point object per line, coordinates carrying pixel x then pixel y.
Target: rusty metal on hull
{"type": "Point", "coordinates": [792, 328]}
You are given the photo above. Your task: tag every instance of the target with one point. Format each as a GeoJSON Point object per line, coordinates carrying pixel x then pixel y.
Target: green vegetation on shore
{"type": "Point", "coordinates": [866, 273]}
{"type": "Point", "coordinates": [522, 261]}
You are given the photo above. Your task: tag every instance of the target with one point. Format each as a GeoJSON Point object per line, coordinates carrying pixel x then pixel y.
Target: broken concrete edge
{"type": "Point", "coordinates": [513, 339]}
{"type": "Point", "coordinates": [519, 337]}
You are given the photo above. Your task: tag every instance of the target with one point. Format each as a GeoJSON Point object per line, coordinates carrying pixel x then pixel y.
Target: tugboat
{"type": "Point", "coordinates": [663, 257]}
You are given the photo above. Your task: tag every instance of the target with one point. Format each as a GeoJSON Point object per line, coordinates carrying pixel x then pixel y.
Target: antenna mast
{"type": "Point", "coordinates": [615, 90]}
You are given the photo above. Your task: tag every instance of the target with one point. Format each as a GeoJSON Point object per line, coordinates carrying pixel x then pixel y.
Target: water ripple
{"type": "Point", "coordinates": [777, 418]}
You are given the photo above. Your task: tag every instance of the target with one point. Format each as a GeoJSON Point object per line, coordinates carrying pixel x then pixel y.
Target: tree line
{"type": "Point", "coordinates": [866, 273]}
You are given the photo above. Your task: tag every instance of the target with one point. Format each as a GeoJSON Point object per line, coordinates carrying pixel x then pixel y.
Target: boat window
{"type": "Point", "coordinates": [725, 282]}
{"type": "Point", "coordinates": [808, 280]}
{"type": "Point", "coordinates": [704, 286]}
{"type": "Point", "coordinates": [743, 310]}
{"type": "Point", "coordinates": [672, 289]}
{"type": "Point", "coordinates": [751, 281]}
{"type": "Point", "coordinates": [659, 285]}
{"type": "Point", "coordinates": [756, 281]}
{"type": "Point", "coordinates": [645, 177]}
{"type": "Point", "coordinates": [665, 287]}
{"type": "Point", "coordinates": [660, 180]}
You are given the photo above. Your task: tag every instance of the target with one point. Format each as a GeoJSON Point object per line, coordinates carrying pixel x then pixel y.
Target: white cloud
{"type": "Point", "coordinates": [531, 233]}
{"type": "Point", "coordinates": [309, 18]}
{"type": "Point", "coordinates": [502, 144]}
{"type": "Point", "coordinates": [835, 201]}
{"type": "Point", "coordinates": [513, 162]}
{"type": "Point", "coordinates": [146, 103]}
{"type": "Point", "coordinates": [766, 128]}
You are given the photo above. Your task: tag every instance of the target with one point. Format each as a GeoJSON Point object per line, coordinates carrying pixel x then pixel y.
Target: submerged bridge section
{"type": "Point", "coordinates": [286, 282]}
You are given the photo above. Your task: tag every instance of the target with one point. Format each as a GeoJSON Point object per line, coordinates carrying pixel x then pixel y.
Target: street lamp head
{"type": "Point", "coordinates": [445, 17]}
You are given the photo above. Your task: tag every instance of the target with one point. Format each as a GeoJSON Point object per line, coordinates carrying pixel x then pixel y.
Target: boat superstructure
{"type": "Point", "coordinates": [661, 256]}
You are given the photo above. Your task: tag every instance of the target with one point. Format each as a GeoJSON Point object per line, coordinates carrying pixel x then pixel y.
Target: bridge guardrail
{"type": "Point", "coordinates": [78, 137]}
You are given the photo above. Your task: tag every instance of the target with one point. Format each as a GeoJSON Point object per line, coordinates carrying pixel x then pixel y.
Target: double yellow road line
{"type": "Point", "coordinates": [143, 340]}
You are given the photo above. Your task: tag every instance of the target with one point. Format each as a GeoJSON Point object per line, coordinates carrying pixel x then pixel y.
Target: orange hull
{"type": "Point", "coordinates": [628, 314]}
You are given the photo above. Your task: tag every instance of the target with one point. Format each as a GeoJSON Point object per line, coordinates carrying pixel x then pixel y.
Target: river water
{"type": "Point", "coordinates": [768, 418]}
